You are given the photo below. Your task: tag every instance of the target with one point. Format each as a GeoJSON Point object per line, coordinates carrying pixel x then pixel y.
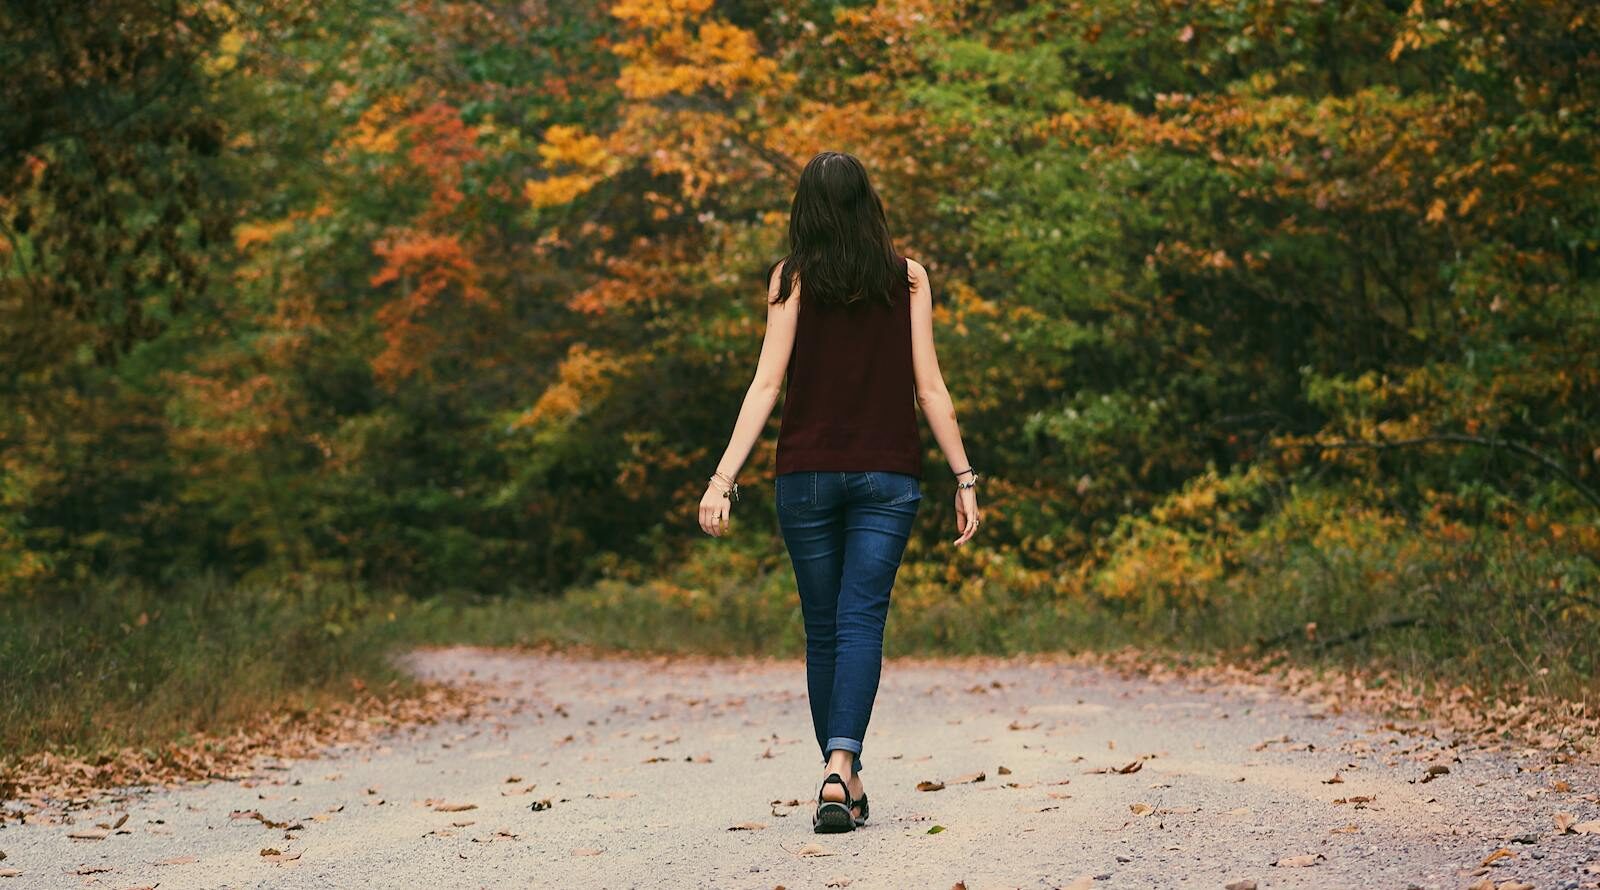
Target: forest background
{"type": "Point", "coordinates": [331, 328]}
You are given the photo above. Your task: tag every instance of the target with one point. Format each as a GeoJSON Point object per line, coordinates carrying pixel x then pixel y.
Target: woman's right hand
{"type": "Point", "coordinates": [966, 513]}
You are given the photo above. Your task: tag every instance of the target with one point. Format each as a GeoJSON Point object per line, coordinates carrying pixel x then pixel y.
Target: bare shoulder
{"type": "Point", "coordinates": [919, 275]}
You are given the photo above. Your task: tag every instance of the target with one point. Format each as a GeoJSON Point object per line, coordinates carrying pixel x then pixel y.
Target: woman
{"type": "Point", "coordinates": [850, 323]}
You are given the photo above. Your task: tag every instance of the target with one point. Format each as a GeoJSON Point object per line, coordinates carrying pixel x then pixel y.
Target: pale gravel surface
{"type": "Point", "coordinates": [1225, 806]}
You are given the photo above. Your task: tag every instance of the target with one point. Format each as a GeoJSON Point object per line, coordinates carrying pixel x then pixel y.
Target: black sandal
{"type": "Point", "coordinates": [861, 802]}
{"type": "Point", "coordinates": [834, 816]}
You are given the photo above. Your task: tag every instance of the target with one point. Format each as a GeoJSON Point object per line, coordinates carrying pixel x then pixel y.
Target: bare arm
{"type": "Point", "coordinates": [758, 401]}
{"type": "Point", "coordinates": [935, 400]}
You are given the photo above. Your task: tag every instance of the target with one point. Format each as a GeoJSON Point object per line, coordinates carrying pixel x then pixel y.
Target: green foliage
{"type": "Point", "coordinates": [446, 296]}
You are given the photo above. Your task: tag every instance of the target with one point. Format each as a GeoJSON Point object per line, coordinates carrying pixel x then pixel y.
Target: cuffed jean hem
{"type": "Point", "coordinates": [851, 745]}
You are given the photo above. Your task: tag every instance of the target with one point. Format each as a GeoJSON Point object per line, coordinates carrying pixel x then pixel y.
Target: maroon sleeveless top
{"type": "Point", "coordinates": [850, 396]}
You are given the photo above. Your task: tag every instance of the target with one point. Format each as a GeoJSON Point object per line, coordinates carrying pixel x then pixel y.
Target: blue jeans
{"type": "Point", "coordinates": [845, 532]}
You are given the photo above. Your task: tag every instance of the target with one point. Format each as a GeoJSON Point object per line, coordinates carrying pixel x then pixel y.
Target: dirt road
{"type": "Point", "coordinates": [682, 773]}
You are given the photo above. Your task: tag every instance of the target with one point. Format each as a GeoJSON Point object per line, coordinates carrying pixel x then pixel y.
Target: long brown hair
{"type": "Point", "coordinates": [839, 242]}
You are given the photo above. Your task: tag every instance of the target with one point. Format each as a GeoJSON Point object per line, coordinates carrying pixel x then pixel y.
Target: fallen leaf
{"type": "Point", "coordinates": [936, 829]}
{"type": "Point", "coordinates": [1435, 772]}
{"type": "Point", "coordinates": [1497, 855]}
{"type": "Point", "coordinates": [837, 881]}
{"type": "Point", "coordinates": [275, 856]}
{"type": "Point", "coordinates": [930, 786]}
{"type": "Point", "coordinates": [1336, 780]}
{"type": "Point", "coordinates": [1082, 882]}
{"type": "Point", "coordinates": [969, 778]}
{"type": "Point", "coordinates": [748, 826]}
{"type": "Point", "coordinates": [453, 807]}
{"type": "Point", "coordinates": [1141, 809]}
{"type": "Point", "coordinates": [538, 805]}
{"type": "Point", "coordinates": [89, 834]}
{"type": "Point", "coordinates": [1590, 827]}
{"type": "Point", "coordinates": [1301, 861]}
{"type": "Point", "coordinates": [1564, 822]}
{"type": "Point", "coordinates": [1245, 884]}
{"type": "Point", "coordinates": [1003, 771]}
{"type": "Point", "coordinates": [10, 873]}
{"type": "Point", "coordinates": [816, 850]}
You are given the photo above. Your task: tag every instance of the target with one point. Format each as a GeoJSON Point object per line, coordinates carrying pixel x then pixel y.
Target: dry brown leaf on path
{"type": "Point", "coordinates": [1498, 855]}
{"type": "Point", "coordinates": [1082, 882]}
{"type": "Point", "coordinates": [1435, 772]}
{"type": "Point", "coordinates": [969, 778]}
{"type": "Point", "coordinates": [1141, 809]}
{"type": "Point", "coordinates": [815, 850]}
{"type": "Point", "coordinates": [443, 807]}
{"type": "Point", "coordinates": [747, 826]}
{"type": "Point", "coordinates": [837, 881]}
{"type": "Point", "coordinates": [930, 786]}
{"type": "Point", "coordinates": [1244, 884]}
{"type": "Point", "coordinates": [1003, 771]}
{"type": "Point", "coordinates": [1126, 770]}
{"type": "Point", "coordinates": [1302, 861]}
{"type": "Point", "coordinates": [10, 873]}
{"type": "Point", "coordinates": [89, 834]}
{"type": "Point", "coordinates": [1564, 822]}
{"type": "Point", "coordinates": [271, 855]}
{"type": "Point", "coordinates": [1590, 827]}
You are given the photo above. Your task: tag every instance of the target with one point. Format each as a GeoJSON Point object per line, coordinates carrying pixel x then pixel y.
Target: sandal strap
{"type": "Point", "coordinates": [848, 802]}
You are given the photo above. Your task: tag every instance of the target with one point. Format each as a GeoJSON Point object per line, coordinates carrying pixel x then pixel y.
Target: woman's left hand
{"type": "Point", "coordinates": [714, 512]}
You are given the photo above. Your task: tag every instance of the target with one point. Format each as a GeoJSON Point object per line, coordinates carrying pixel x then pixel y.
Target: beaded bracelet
{"type": "Point", "coordinates": [970, 482]}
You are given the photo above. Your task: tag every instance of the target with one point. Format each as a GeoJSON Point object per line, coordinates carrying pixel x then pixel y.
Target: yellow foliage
{"type": "Point", "coordinates": [584, 376]}
{"type": "Point", "coordinates": [658, 13]}
{"type": "Point", "coordinates": [571, 145]}
{"type": "Point", "coordinates": [558, 190]}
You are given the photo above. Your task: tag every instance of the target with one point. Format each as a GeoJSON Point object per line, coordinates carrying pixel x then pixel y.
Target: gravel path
{"type": "Point", "coordinates": [681, 773]}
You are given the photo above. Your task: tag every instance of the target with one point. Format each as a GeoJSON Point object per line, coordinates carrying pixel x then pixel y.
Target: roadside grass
{"type": "Point", "coordinates": [115, 664]}
{"type": "Point", "coordinates": [120, 665]}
